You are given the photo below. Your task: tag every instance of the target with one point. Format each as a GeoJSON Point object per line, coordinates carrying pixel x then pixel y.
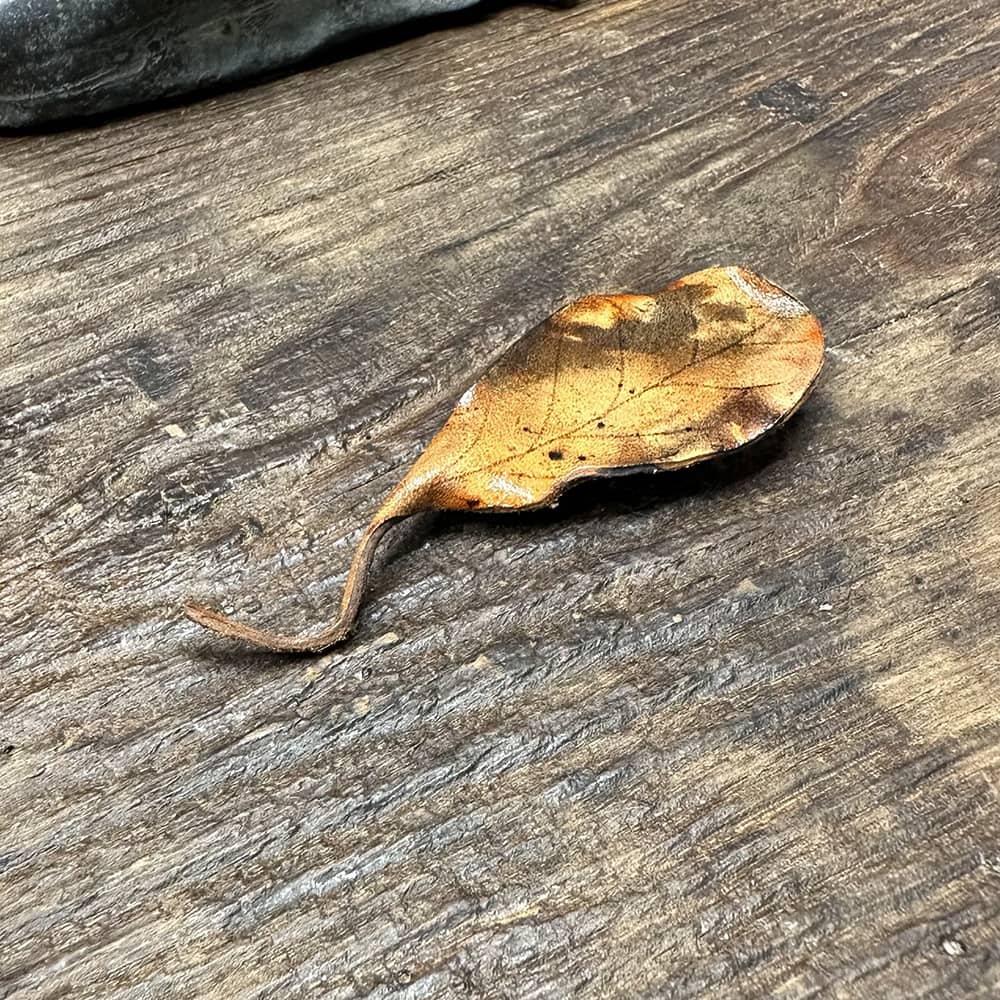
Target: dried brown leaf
{"type": "Point", "coordinates": [606, 385]}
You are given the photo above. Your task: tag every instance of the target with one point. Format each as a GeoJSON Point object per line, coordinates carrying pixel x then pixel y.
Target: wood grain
{"type": "Point", "coordinates": [728, 732]}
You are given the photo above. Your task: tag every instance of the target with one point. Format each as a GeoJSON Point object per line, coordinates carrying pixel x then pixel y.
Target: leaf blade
{"type": "Point", "coordinates": [609, 383]}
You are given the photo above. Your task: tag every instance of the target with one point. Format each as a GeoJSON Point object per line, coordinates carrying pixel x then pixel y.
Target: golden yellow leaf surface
{"type": "Point", "coordinates": [615, 382]}
{"type": "Point", "coordinates": [604, 385]}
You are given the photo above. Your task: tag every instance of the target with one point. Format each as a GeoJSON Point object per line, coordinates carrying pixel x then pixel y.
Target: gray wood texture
{"type": "Point", "coordinates": [725, 733]}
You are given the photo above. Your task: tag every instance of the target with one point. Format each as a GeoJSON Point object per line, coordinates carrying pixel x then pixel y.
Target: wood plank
{"type": "Point", "coordinates": [729, 732]}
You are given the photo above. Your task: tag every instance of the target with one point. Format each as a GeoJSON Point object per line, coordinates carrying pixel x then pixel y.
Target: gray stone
{"type": "Point", "coordinates": [67, 58]}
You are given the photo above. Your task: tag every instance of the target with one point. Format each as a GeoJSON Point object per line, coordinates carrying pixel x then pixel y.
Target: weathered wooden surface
{"type": "Point", "coordinates": [724, 733]}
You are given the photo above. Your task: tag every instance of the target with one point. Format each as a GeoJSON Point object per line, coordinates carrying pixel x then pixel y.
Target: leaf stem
{"type": "Point", "coordinates": [401, 503]}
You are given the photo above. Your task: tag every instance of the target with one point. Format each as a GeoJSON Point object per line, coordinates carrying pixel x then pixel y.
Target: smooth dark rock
{"type": "Point", "coordinates": [67, 58]}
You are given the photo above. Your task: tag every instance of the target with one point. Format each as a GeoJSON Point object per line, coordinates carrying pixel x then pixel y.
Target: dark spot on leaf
{"type": "Point", "coordinates": [555, 455]}
{"type": "Point", "coordinates": [600, 423]}
{"type": "Point", "coordinates": [527, 430]}
{"type": "Point", "coordinates": [582, 458]}
{"type": "Point", "coordinates": [749, 409]}
{"type": "Point", "coordinates": [724, 313]}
